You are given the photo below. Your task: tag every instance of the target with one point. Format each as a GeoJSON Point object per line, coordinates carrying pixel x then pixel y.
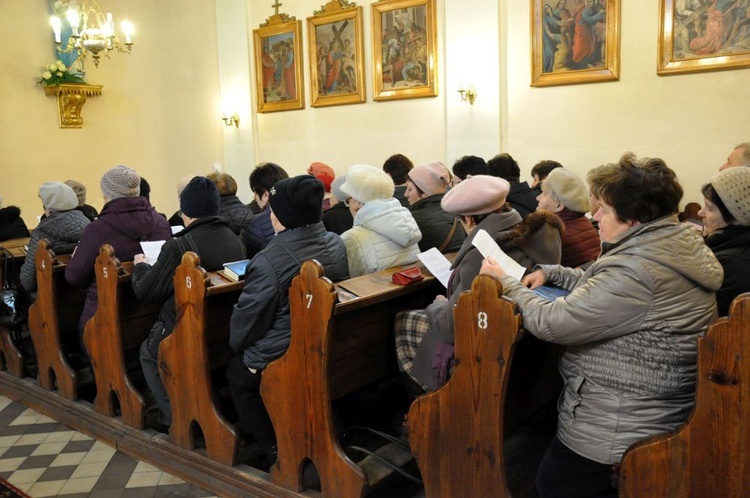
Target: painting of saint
{"type": "Point", "coordinates": [336, 58]}
{"type": "Point", "coordinates": [278, 70]}
{"type": "Point", "coordinates": [574, 35]}
{"type": "Point", "coordinates": [710, 28]}
{"type": "Point", "coordinates": [405, 50]}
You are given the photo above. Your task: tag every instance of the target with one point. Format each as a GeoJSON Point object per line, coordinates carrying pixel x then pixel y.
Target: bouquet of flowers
{"type": "Point", "coordinates": [57, 73]}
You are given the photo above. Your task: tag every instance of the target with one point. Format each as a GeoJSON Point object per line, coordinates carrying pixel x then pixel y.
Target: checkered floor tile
{"type": "Point", "coordinates": [45, 458]}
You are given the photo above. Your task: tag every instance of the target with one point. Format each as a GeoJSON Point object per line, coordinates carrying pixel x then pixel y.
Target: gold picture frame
{"type": "Point", "coordinates": [701, 37]}
{"type": "Point", "coordinates": [574, 41]}
{"type": "Point", "coordinates": [404, 49]}
{"type": "Point", "coordinates": [278, 64]}
{"type": "Point", "coordinates": [336, 45]}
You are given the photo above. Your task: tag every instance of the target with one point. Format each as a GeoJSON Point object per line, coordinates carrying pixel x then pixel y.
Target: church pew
{"type": "Point", "coordinates": [10, 353]}
{"type": "Point", "coordinates": [204, 305]}
{"type": "Point", "coordinates": [120, 324]}
{"type": "Point", "coordinates": [710, 454]}
{"type": "Point", "coordinates": [55, 312]}
{"type": "Point", "coordinates": [335, 349]}
{"type": "Point", "coordinates": [457, 431]}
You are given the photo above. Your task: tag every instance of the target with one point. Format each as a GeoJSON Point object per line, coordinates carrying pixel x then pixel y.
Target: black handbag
{"type": "Point", "coordinates": [11, 308]}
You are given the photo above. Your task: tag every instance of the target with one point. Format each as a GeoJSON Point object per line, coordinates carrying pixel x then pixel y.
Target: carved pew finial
{"type": "Point", "coordinates": [456, 432]}
{"type": "Point", "coordinates": [296, 393]}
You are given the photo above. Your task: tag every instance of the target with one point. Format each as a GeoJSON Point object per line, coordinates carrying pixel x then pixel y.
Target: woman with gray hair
{"type": "Point", "coordinates": [630, 325]}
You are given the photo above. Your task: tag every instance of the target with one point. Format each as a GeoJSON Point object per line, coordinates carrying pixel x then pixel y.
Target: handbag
{"type": "Point", "coordinates": [11, 308]}
{"type": "Point", "coordinates": [407, 276]}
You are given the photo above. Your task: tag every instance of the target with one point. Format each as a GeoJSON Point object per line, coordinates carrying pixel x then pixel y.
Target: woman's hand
{"type": "Point", "coordinates": [490, 267]}
{"type": "Point", "coordinates": [534, 279]}
{"type": "Point", "coordinates": [440, 298]}
{"type": "Point", "coordinates": [140, 258]}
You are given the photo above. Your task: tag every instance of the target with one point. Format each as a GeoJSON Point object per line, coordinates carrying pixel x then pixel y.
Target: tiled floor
{"type": "Point", "coordinates": [45, 458]}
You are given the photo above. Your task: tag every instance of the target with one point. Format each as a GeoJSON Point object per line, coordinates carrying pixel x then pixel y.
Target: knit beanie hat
{"type": "Point", "coordinates": [200, 198]}
{"type": "Point", "coordinates": [733, 187]}
{"type": "Point", "coordinates": [324, 173]}
{"type": "Point", "coordinates": [569, 189]}
{"type": "Point", "coordinates": [430, 178]}
{"type": "Point", "coordinates": [336, 188]}
{"type": "Point", "coordinates": [79, 189]}
{"type": "Point", "coordinates": [56, 196]}
{"type": "Point", "coordinates": [297, 201]}
{"type": "Point", "coordinates": [121, 181]}
{"type": "Point", "coordinates": [367, 183]}
{"type": "Point", "coordinates": [479, 194]}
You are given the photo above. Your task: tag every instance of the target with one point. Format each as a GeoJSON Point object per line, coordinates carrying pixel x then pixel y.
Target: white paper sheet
{"type": "Point", "coordinates": [177, 229]}
{"type": "Point", "coordinates": [489, 249]}
{"type": "Point", "coordinates": [438, 265]}
{"type": "Point", "coordinates": [152, 248]}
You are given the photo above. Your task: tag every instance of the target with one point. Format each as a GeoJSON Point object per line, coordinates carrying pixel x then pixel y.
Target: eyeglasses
{"type": "Point", "coordinates": [347, 201]}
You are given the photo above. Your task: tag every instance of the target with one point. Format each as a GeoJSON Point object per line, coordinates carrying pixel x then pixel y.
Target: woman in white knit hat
{"type": "Point", "coordinates": [726, 228]}
{"type": "Point", "coordinates": [384, 234]}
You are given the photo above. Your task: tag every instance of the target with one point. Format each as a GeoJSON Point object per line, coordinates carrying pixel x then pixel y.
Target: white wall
{"type": "Point", "coordinates": [692, 121]}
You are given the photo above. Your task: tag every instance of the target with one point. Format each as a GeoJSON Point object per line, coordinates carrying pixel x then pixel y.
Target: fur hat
{"type": "Point", "coordinates": [200, 198]}
{"type": "Point", "coordinates": [297, 201]}
{"type": "Point", "coordinates": [479, 194]}
{"type": "Point", "coordinates": [79, 189]}
{"type": "Point", "coordinates": [324, 173]}
{"type": "Point", "coordinates": [430, 178]}
{"type": "Point", "coordinates": [56, 196]}
{"type": "Point", "coordinates": [569, 189]}
{"type": "Point", "coordinates": [733, 187]}
{"type": "Point", "coordinates": [367, 183]}
{"type": "Point", "coordinates": [120, 181]}
{"type": "Point", "coordinates": [336, 188]}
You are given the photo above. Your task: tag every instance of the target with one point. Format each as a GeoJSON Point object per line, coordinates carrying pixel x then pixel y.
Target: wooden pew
{"type": "Point", "coordinates": [56, 311]}
{"type": "Point", "coordinates": [334, 350]}
{"type": "Point", "coordinates": [710, 454]}
{"type": "Point", "coordinates": [204, 305]}
{"type": "Point", "coordinates": [10, 353]}
{"type": "Point", "coordinates": [457, 431]}
{"type": "Point", "coordinates": [120, 323]}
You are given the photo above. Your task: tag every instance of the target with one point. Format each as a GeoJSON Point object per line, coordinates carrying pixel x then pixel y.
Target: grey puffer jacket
{"type": "Point", "coordinates": [384, 235]}
{"type": "Point", "coordinates": [630, 325]}
{"type": "Point", "coordinates": [62, 230]}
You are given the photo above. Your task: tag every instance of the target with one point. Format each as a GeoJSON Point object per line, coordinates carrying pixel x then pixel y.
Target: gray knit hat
{"type": "Point", "coordinates": [336, 188]}
{"type": "Point", "coordinates": [121, 181]}
{"type": "Point", "coordinates": [569, 189]}
{"type": "Point", "coordinates": [733, 187]}
{"type": "Point", "coordinates": [56, 196]}
{"type": "Point", "coordinates": [79, 189]}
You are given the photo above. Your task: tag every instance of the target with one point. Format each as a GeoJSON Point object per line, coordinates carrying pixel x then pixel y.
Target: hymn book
{"type": "Point", "coordinates": [235, 271]}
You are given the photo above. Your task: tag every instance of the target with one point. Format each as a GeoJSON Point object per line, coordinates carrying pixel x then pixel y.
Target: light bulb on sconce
{"type": "Point", "coordinates": [468, 95]}
{"type": "Point", "coordinates": [234, 119]}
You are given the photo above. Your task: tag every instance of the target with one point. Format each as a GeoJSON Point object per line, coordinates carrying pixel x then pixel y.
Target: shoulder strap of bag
{"type": "Point", "coordinates": [450, 236]}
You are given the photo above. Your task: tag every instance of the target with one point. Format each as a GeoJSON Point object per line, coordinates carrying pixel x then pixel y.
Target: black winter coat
{"type": "Point", "coordinates": [234, 212]}
{"type": "Point", "coordinates": [731, 246]}
{"type": "Point", "coordinates": [435, 225]}
{"type": "Point", "coordinates": [522, 198]}
{"type": "Point", "coordinates": [11, 224]}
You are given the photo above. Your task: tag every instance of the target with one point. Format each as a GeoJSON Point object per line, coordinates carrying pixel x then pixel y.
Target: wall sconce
{"type": "Point", "coordinates": [234, 119]}
{"type": "Point", "coordinates": [468, 95]}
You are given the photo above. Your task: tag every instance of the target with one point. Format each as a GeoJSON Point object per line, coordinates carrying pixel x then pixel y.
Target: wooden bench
{"type": "Point", "coordinates": [335, 349]}
{"type": "Point", "coordinates": [204, 305]}
{"type": "Point", "coordinates": [457, 431]}
{"type": "Point", "coordinates": [120, 324]}
{"type": "Point", "coordinates": [55, 312]}
{"type": "Point", "coordinates": [710, 454]}
{"type": "Point", "coordinates": [10, 352]}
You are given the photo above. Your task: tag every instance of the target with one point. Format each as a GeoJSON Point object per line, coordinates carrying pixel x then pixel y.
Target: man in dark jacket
{"type": "Point", "coordinates": [260, 327]}
{"type": "Point", "coordinates": [521, 197]}
{"type": "Point", "coordinates": [205, 234]}
{"type": "Point", "coordinates": [125, 220]}
{"type": "Point", "coordinates": [234, 212]}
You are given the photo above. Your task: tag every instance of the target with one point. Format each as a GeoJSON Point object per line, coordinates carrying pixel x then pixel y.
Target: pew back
{"type": "Point", "coordinates": [10, 352]}
{"type": "Point", "coordinates": [710, 454]}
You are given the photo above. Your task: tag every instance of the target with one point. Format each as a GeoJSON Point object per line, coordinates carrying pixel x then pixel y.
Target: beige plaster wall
{"type": "Point", "coordinates": [159, 112]}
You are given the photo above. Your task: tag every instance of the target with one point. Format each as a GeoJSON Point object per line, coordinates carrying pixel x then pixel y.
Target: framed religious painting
{"type": "Point", "coordinates": [336, 42]}
{"type": "Point", "coordinates": [574, 41]}
{"type": "Point", "coordinates": [703, 35]}
{"type": "Point", "coordinates": [278, 64]}
{"type": "Point", "coordinates": [404, 49]}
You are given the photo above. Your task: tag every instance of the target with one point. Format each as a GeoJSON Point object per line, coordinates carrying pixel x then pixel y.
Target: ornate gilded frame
{"type": "Point", "coordinates": [273, 38]}
{"type": "Point", "coordinates": [418, 56]}
{"type": "Point", "coordinates": [338, 22]}
{"type": "Point", "coordinates": [564, 71]}
{"type": "Point", "coordinates": [675, 52]}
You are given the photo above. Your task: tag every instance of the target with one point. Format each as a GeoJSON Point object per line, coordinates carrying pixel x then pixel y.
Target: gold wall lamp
{"type": "Point", "coordinates": [70, 100]}
{"type": "Point", "coordinates": [468, 95]}
{"type": "Point", "coordinates": [234, 119]}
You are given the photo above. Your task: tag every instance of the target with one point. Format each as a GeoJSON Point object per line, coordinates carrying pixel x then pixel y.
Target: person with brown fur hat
{"type": "Point", "coordinates": [480, 203]}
